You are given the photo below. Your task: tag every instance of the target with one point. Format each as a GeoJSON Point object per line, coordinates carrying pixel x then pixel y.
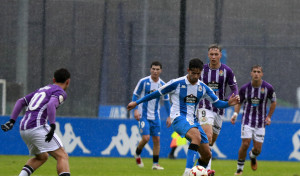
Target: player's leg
{"type": "Point", "coordinates": [156, 145]}
{"type": "Point", "coordinates": [258, 140]}
{"type": "Point", "coordinates": [139, 149]}
{"type": "Point", "coordinates": [156, 149]}
{"type": "Point", "coordinates": [33, 164]}
{"type": "Point", "coordinates": [191, 132]}
{"type": "Point", "coordinates": [242, 156]}
{"type": "Point", "coordinates": [144, 129]}
{"type": "Point", "coordinates": [216, 128]}
{"type": "Point", "coordinates": [194, 136]}
{"type": "Point", "coordinates": [62, 159]}
{"type": "Point", "coordinates": [155, 133]}
{"type": "Point", "coordinates": [142, 143]}
{"type": "Point", "coordinates": [33, 139]}
{"type": "Point", "coordinates": [246, 135]}
{"type": "Point", "coordinates": [206, 120]}
{"type": "Point", "coordinates": [205, 153]}
{"type": "Point", "coordinates": [54, 148]}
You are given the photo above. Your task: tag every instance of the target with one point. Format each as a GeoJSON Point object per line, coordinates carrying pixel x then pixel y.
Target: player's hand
{"type": "Point", "coordinates": [233, 118]}
{"type": "Point", "coordinates": [233, 100]}
{"type": "Point", "coordinates": [137, 115]}
{"type": "Point", "coordinates": [268, 120]}
{"type": "Point", "coordinates": [8, 125]}
{"type": "Point", "coordinates": [131, 105]}
{"type": "Point", "coordinates": [168, 122]}
{"type": "Point", "coordinates": [49, 136]}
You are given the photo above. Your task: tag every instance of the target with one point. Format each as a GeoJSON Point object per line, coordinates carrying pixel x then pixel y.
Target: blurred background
{"type": "Point", "coordinates": [108, 45]}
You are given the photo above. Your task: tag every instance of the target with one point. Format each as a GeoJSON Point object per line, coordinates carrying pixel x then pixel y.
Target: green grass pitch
{"type": "Point", "coordinates": [99, 166]}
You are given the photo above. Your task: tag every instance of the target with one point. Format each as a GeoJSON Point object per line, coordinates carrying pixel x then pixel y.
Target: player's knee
{"type": "Point", "coordinates": [196, 139]}
{"type": "Point", "coordinates": [42, 157]}
{"type": "Point", "coordinates": [246, 144]}
{"type": "Point", "coordinates": [209, 137]}
{"type": "Point", "coordinates": [66, 156]}
{"type": "Point", "coordinates": [256, 151]}
{"type": "Point", "coordinates": [60, 154]}
{"type": "Point", "coordinates": [146, 138]}
{"type": "Point", "coordinates": [156, 140]}
{"type": "Point", "coordinates": [63, 156]}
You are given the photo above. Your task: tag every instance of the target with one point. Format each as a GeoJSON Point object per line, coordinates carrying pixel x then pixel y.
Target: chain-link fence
{"type": "Point", "coordinates": [108, 45]}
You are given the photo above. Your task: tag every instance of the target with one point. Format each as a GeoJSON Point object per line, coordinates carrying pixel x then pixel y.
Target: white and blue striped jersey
{"type": "Point", "coordinates": [150, 109]}
{"type": "Point", "coordinates": [185, 97]}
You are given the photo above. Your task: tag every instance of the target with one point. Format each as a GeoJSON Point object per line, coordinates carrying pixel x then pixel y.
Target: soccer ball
{"type": "Point", "coordinates": [198, 171]}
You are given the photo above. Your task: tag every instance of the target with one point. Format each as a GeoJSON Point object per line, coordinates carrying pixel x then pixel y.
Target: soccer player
{"type": "Point", "coordinates": [34, 130]}
{"type": "Point", "coordinates": [254, 95]}
{"type": "Point", "coordinates": [148, 113]}
{"type": "Point", "coordinates": [218, 77]}
{"type": "Point", "coordinates": [185, 93]}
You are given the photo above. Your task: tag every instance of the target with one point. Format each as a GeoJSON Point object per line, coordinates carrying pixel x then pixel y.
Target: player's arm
{"type": "Point", "coordinates": [136, 94]}
{"type": "Point", "coordinates": [51, 111]}
{"type": "Point", "coordinates": [153, 95]}
{"type": "Point", "coordinates": [20, 104]}
{"type": "Point", "coordinates": [211, 96]}
{"type": "Point", "coordinates": [232, 84]}
{"type": "Point", "coordinates": [233, 100]}
{"type": "Point", "coordinates": [237, 107]}
{"type": "Point", "coordinates": [169, 87]}
{"type": "Point", "coordinates": [236, 113]}
{"type": "Point", "coordinates": [136, 112]}
{"type": "Point", "coordinates": [234, 90]}
{"type": "Point", "coordinates": [271, 111]}
{"type": "Point", "coordinates": [168, 107]}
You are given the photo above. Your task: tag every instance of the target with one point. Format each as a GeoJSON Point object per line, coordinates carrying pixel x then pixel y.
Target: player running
{"type": "Point", "coordinates": [218, 77]}
{"type": "Point", "coordinates": [254, 95]}
{"type": "Point", "coordinates": [185, 93]}
{"type": "Point", "coordinates": [35, 132]}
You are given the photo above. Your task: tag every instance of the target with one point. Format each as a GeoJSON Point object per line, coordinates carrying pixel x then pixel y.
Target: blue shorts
{"type": "Point", "coordinates": [149, 127]}
{"type": "Point", "coordinates": [182, 126]}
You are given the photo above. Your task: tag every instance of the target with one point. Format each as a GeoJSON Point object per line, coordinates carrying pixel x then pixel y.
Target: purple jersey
{"type": "Point", "coordinates": [36, 112]}
{"type": "Point", "coordinates": [217, 80]}
{"type": "Point", "coordinates": [255, 103]}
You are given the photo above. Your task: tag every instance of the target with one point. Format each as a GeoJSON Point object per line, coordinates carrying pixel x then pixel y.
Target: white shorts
{"type": "Point", "coordinates": [206, 116]}
{"type": "Point", "coordinates": [35, 140]}
{"type": "Point", "coordinates": [257, 134]}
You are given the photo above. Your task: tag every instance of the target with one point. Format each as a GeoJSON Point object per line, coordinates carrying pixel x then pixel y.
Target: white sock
{"type": "Point", "coordinates": [252, 155]}
{"type": "Point", "coordinates": [23, 173]}
{"type": "Point", "coordinates": [209, 163]}
{"type": "Point", "coordinates": [26, 171]}
{"type": "Point", "coordinates": [240, 164]}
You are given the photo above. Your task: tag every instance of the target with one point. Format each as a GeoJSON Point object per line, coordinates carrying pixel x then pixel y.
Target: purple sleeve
{"type": "Point", "coordinates": [272, 94]}
{"type": "Point", "coordinates": [242, 95]}
{"type": "Point", "coordinates": [18, 108]}
{"type": "Point", "coordinates": [51, 109]}
{"type": "Point", "coordinates": [234, 90]}
{"type": "Point", "coordinates": [231, 78]}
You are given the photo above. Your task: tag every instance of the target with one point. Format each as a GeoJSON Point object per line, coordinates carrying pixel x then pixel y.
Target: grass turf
{"type": "Point", "coordinates": [99, 166]}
